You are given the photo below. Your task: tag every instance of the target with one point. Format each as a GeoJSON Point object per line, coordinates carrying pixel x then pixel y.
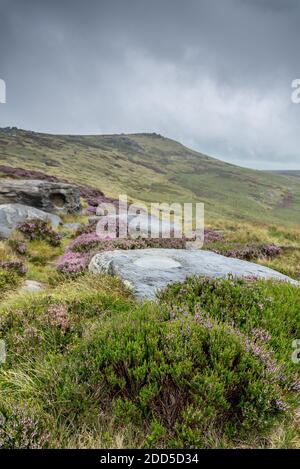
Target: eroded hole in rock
{"type": "Point", "coordinates": [58, 200]}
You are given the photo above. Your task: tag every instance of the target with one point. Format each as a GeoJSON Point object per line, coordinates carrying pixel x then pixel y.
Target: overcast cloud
{"type": "Point", "coordinates": [214, 74]}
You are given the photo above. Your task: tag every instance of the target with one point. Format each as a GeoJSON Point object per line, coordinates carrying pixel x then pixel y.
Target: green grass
{"type": "Point", "coordinates": [96, 369]}
{"type": "Point", "coordinates": [151, 168]}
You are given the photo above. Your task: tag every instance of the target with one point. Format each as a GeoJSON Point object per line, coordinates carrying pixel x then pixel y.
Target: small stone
{"type": "Point", "coordinates": [32, 286]}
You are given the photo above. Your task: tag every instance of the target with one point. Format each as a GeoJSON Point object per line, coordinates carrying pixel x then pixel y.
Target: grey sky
{"type": "Point", "coordinates": [214, 74]}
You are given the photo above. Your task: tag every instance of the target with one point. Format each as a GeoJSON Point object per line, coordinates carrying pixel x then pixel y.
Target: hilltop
{"type": "Point", "coordinates": [152, 168]}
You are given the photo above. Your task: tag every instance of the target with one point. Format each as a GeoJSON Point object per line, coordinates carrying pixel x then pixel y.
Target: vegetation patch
{"type": "Point", "coordinates": [208, 366]}
{"type": "Point", "coordinates": [39, 230]}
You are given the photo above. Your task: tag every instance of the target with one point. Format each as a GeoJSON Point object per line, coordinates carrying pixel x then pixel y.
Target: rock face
{"type": "Point", "coordinates": [148, 270]}
{"type": "Point", "coordinates": [13, 214]}
{"type": "Point", "coordinates": [44, 195]}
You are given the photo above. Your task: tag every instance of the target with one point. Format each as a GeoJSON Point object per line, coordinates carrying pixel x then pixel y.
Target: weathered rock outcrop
{"type": "Point", "coordinates": [13, 214]}
{"type": "Point", "coordinates": [44, 195]}
{"type": "Point", "coordinates": [149, 270]}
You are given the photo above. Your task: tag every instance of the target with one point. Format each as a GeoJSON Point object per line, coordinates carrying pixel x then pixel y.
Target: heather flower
{"type": "Point", "coordinates": [211, 235]}
{"type": "Point", "coordinates": [84, 242]}
{"type": "Point", "coordinates": [90, 210]}
{"type": "Point", "coordinates": [17, 266]}
{"type": "Point", "coordinates": [21, 248]}
{"type": "Point", "coordinates": [90, 242]}
{"type": "Point", "coordinates": [39, 230]}
{"type": "Point", "coordinates": [203, 318]}
{"type": "Point", "coordinates": [73, 262]}
{"type": "Point", "coordinates": [253, 252]}
{"type": "Point", "coordinates": [281, 405]}
{"type": "Point", "coordinates": [20, 431]}
{"type": "Point", "coordinates": [295, 386]}
{"type": "Point", "coordinates": [57, 315]}
{"type": "Point", "coordinates": [271, 250]}
{"type": "Point", "coordinates": [260, 335]}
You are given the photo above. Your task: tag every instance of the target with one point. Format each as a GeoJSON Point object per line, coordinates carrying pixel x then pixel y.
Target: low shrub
{"type": "Point", "coordinates": [18, 246]}
{"type": "Point", "coordinates": [18, 430]}
{"type": "Point", "coordinates": [265, 311]}
{"type": "Point", "coordinates": [9, 280]}
{"type": "Point", "coordinates": [198, 381]}
{"type": "Point", "coordinates": [39, 230]}
{"type": "Point", "coordinates": [14, 266]}
{"type": "Point", "coordinates": [211, 235]}
{"type": "Point", "coordinates": [209, 365]}
{"type": "Point", "coordinates": [252, 252]}
{"type": "Point", "coordinates": [73, 262]}
{"type": "Point", "coordinates": [91, 241]}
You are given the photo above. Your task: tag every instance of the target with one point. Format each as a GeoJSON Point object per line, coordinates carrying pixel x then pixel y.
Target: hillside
{"type": "Point", "coordinates": [287, 172]}
{"type": "Point", "coordinates": [88, 364]}
{"type": "Point", "coordinates": [149, 167]}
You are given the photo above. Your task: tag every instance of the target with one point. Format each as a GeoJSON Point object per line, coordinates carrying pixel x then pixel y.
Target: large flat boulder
{"type": "Point", "coordinates": [148, 270]}
{"type": "Point", "coordinates": [13, 214]}
{"type": "Point", "coordinates": [44, 195]}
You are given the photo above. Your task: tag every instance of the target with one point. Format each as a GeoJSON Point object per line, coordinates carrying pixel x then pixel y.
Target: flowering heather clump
{"type": "Point", "coordinates": [82, 248]}
{"type": "Point", "coordinates": [57, 315]}
{"type": "Point", "coordinates": [211, 235]}
{"type": "Point", "coordinates": [91, 195]}
{"type": "Point", "coordinates": [88, 228]}
{"type": "Point", "coordinates": [85, 242]}
{"type": "Point", "coordinates": [271, 250]}
{"type": "Point", "coordinates": [194, 368]}
{"type": "Point", "coordinates": [19, 431]}
{"type": "Point", "coordinates": [281, 405]}
{"type": "Point", "coordinates": [295, 386]}
{"type": "Point", "coordinates": [253, 252]}
{"type": "Point", "coordinates": [91, 210]}
{"type": "Point", "coordinates": [260, 335]}
{"type": "Point", "coordinates": [274, 370]}
{"type": "Point", "coordinates": [73, 262]}
{"type": "Point", "coordinates": [39, 230]}
{"type": "Point", "coordinates": [90, 241]}
{"type": "Point", "coordinates": [249, 344]}
{"type": "Point", "coordinates": [238, 306]}
{"type": "Point", "coordinates": [94, 197]}
{"type": "Point", "coordinates": [19, 246]}
{"type": "Point", "coordinates": [21, 173]}
{"type": "Point", "coordinates": [16, 266]}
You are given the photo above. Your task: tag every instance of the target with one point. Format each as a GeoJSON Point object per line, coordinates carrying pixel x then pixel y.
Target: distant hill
{"type": "Point", "coordinates": [287, 172]}
{"type": "Point", "coordinates": [149, 167]}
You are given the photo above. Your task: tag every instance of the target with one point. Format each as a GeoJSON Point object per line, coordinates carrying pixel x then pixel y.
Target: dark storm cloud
{"type": "Point", "coordinates": [214, 74]}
